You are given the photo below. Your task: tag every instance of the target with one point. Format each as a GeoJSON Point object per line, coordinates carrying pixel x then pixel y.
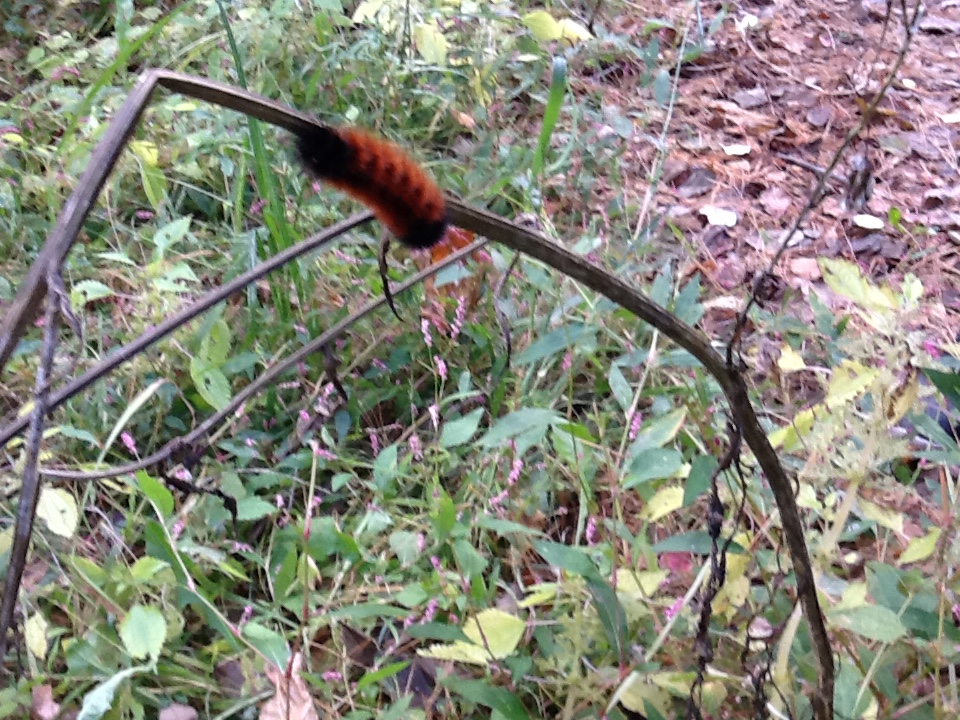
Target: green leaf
{"type": "Point", "coordinates": [405, 545]}
{"type": "Point", "coordinates": [156, 493]}
{"type": "Point", "coordinates": [88, 291]}
{"type": "Point", "coordinates": [870, 621]}
{"type": "Point", "coordinates": [659, 432]}
{"type": "Point", "coordinates": [947, 383]}
{"type": "Point", "coordinates": [210, 383]}
{"type": "Point", "coordinates": [143, 631]}
{"type": "Point", "coordinates": [698, 481]}
{"type": "Point", "coordinates": [571, 559]}
{"type": "Point", "coordinates": [611, 613]}
{"type": "Point", "coordinates": [270, 643]}
{"type": "Point", "coordinates": [470, 561]}
{"type": "Point", "coordinates": [662, 88]}
{"type": "Point", "coordinates": [99, 701]}
{"type": "Point", "coordinates": [215, 346]}
{"type": "Point", "coordinates": [169, 235]}
{"type": "Point", "coordinates": [652, 464]}
{"type": "Point", "coordinates": [554, 343]}
{"type": "Point", "coordinates": [558, 85]}
{"type": "Point", "coordinates": [620, 388]}
{"type": "Point", "coordinates": [481, 693]}
{"type": "Point", "coordinates": [437, 631]}
{"type": "Point", "coordinates": [526, 420]}
{"type": "Point", "coordinates": [457, 432]}
{"type": "Point", "coordinates": [385, 468]}
{"type": "Point", "coordinates": [254, 508]}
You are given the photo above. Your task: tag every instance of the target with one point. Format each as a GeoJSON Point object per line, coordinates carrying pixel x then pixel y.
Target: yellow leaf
{"type": "Point", "coordinates": [573, 32]}
{"type": "Point", "coordinates": [431, 44]}
{"type": "Point", "coordinates": [789, 435]}
{"type": "Point", "coordinates": [540, 595]}
{"type": "Point", "coordinates": [35, 633]}
{"type": "Point", "coordinates": [920, 548]}
{"type": "Point", "coordinates": [644, 583]}
{"type": "Point", "coordinates": [495, 635]}
{"type": "Point", "coordinates": [790, 359]}
{"type": "Point", "coordinates": [665, 501]}
{"type": "Point", "coordinates": [890, 519]}
{"type": "Point", "coordinates": [848, 382]}
{"type": "Point", "coordinates": [146, 151]}
{"type": "Point", "coordinates": [847, 279]}
{"type": "Point", "coordinates": [637, 691]}
{"type": "Point", "coordinates": [542, 25]}
{"type": "Point", "coordinates": [12, 138]}
{"type": "Point", "coordinates": [58, 508]}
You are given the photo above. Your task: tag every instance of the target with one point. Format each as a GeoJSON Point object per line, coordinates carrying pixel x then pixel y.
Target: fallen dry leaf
{"type": "Point", "coordinates": [292, 700]}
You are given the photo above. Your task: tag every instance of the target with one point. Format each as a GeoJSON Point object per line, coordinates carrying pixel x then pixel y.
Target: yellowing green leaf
{"type": "Point", "coordinates": [921, 548]}
{"type": "Point", "coordinates": [789, 436]}
{"type": "Point", "coordinates": [431, 43]}
{"type": "Point", "coordinates": [542, 25]}
{"type": "Point", "coordinates": [59, 510]}
{"type": "Point", "coordinates": [35, 634]}
{"type": "Point", "coordinates": [12, 138]}
{"type": "Point", "coordinates": [374, 12]}
{"type": "Point", "coordinates": [147, 152]}
{"type": "Point", "coordinates": [848, 382]}
{"type": "Point", "coordinates": [665, 501]}
{"type": "Point", "coordinates": [637, 691]}
{"type": "Point", "coordinates": [573, 32]}
{"type": "Point", "coordinates": [495, 635]}
{"type": "Point", "coordinates": [790, 359]}
{"type": "Point", "coordinates": [541, 595]}
{"type": "Point", "coordinates": [143, 631]}
{"type": "Point", "coordinates": [644, 583]}
{"type": "Point", "coordinates": [890, 519]}
{"type": "Point", "coordinates": [847, 279]}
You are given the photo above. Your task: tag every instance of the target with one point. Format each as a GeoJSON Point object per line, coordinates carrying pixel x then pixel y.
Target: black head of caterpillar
{"type": "Point", "coordinates": [381, 176]}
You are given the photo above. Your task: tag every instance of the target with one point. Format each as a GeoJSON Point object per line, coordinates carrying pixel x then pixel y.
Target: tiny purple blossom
{"type": "Point", "coordinates": [441, 367]}
{"type": "Point", "coordinates": [128, 442]}
{"type": "Point", "coordinates": [425, 329]}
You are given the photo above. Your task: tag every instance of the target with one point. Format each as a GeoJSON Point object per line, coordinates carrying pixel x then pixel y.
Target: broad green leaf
{"type": "Point", "coordinates": [457, 432]}
{"type": "Point", "coordinates": [215, 346]}
{"type": "Point", "coordinates": [157, 494]}
{"type": "Point", "coordinates": [503, 702]}
{"type": "Point", "coordinates": [652, 464]}
{"type": "Point", "coordinates": [210, 383]}
{"type": "Point", "coordinates": [431, 43]}
{"type": "Point", "coordinates": [698, 480]}
{"type": "Point", "coordinates": [658, 432]}
{"type": "Point", "coordinates": [554, 342]}
{"type": "Point", "coordinates": [405, 546]}
{"type": "Point", "coordinates": [169, 235]}
{"type": "Point", "coordinates": [921, 548]}
{"type": "Point", "coordinates": [572, 559]}
{"type": "Point", "coordinates": [620, 388]}
{"type": "Point", "coordinates": [662, 87]}
{"type": "Point", "coordinates": [253, 508]}
{"type": "Point", "coordinates": [58, 509]}
{"type": "Point", "coordinates": [143, 631]}
{"type": "Point", "coordinates": [145, 568]}
{"type": "Point", "coordinates": [870, 621]}
{"type": "Point", "coordinates": [98, 701]}
{"type": "Point", "coordinates": [947, 383]}
{"type": "Point", "coordinates": [88, 291]}
{"type": "Point", "coordinates": [526, 420]}
{"type": "Point", "coordinates": [270, 643]}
